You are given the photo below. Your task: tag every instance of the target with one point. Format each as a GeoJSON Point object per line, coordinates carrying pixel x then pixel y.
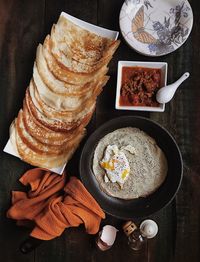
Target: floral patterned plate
{"type": "Point", "coordinates": [156, 27]}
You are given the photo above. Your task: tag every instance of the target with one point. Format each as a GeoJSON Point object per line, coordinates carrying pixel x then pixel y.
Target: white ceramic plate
{"type": "Point", "coordinates": [156, 27]}
{"type": "Point", "coordinates": [160, 65]}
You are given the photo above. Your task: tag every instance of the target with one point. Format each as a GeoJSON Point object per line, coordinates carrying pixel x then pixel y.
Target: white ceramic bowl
{"type": "Point", "coordinates": [159, 65]}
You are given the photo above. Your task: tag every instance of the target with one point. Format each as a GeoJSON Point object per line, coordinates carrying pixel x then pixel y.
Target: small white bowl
{"type": "Point", "coordinates": [158, 65]}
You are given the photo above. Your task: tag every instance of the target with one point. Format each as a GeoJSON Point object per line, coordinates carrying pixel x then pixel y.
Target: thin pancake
{"type": "Point", "coordinates": [45, 161]}
{"type": "Point", "coordinates": [66, 116]}
{"type": "Point", "coordinates": [34, 144]}
{"type": "Point", "coordinates": [44, 134]}
{"type": "Point", "coordinates": [64, 56]}
{"type": "Point", "coordinates": [60, 71]}
{"type": "Point", "coordinates": [148, 165]}
{"type": "Point", "coordinates": [60, 87]}
{"type": "Point", "coordinates": [53, 124]}
{"type": "Point", "coordinates": [66, 103]}
{"type": "Point", "coordinates": [46, 116]}
{"type": "Point", "coordinates": [82, 45]}
{"type": "Point", "coordinates": [69, 73]}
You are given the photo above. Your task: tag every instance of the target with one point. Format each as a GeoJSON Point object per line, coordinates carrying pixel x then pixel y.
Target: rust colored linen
{"type": "Point", "coordinates": [51, 205]}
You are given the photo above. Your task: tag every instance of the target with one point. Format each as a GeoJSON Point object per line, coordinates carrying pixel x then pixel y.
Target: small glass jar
{"type": "Point", "coordinates": [135, 239]}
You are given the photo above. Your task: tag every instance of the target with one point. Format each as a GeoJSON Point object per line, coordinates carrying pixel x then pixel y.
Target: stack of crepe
{"type": "Point", "coordinates": [69, 73]}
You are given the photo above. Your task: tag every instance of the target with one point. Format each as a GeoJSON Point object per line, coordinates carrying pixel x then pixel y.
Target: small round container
{"type": "Point", "coordinates": [135, 240]}
{"type": "Point", "coordinates": [149, 228]}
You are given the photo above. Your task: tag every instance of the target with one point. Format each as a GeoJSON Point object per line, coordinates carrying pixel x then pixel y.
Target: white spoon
{"type": "Point", "coordinates": [166, 93]}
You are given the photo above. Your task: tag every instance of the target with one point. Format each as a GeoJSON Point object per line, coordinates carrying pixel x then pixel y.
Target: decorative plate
{"type": "Point", "coordinates": [156, 27]}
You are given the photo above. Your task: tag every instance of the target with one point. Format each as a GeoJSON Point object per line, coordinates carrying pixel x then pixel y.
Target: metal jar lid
{"type": "Point", "coordinates": [129, 227]}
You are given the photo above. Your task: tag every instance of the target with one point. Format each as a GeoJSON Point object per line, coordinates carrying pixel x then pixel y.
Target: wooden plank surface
{"type": "Point", "coordinates": [21, 28]}
{"type": "Point", "coordinates": [23, 24]}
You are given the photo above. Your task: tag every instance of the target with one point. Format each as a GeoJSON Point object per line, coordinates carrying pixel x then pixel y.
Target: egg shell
{"type": "Point", "coordinates": [108, 234]}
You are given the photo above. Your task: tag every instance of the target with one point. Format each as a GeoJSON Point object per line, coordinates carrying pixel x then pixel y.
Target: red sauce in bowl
{"type": "Point", "coordinates": [139, 86]}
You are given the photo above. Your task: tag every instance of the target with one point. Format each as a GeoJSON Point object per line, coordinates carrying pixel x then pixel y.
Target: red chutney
{"type": "Point", "coordinates": [139, 86]}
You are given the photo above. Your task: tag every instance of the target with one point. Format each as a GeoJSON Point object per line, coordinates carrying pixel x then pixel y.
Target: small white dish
{"type": "Point", "coordinates": [158, 65]}
{"type": "Point", "coordinates": [156, 27]}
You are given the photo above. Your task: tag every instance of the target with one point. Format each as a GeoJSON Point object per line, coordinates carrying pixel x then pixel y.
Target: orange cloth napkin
{"type": "Point", "coordinates": [51, 210]}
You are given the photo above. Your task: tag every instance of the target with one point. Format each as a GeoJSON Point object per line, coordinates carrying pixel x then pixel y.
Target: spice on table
{"type": "Point", "coordinates": [106, 237]}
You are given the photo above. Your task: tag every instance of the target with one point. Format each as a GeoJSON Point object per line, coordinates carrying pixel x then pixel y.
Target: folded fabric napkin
{"type": "Point", "coordinates": [51, 205]}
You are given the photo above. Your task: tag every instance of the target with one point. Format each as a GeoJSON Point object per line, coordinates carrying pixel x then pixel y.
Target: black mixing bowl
{"type": "Point", "coordinates": [141, 207]}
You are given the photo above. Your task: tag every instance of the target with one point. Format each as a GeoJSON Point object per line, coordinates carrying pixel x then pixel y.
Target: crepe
{"type": "Point", "coordinates": [61, 96]}
{"type": "Point", "coordinates": [60, 87]}
{"type": "Point", "coordinates": [45, 160]}
{"type": "Point", "coordinates": [85, 107]}
{"type": "Point", "coordinates": [52, 123]}
{"type": "Point", "coordinates": [148, 165]}
{"type": "Point", "coordinates": [81, 45]}
{"type": "Point", "coordinates": [60, 50]}
{"type": "Point", "coordinates": [44, 134]}
{"type": "Point", "coordinates": [63, 73]}
{"type": "Point", "coordinates": [61, 103]}
{"type": "Point", "coordinates": [33, 143]}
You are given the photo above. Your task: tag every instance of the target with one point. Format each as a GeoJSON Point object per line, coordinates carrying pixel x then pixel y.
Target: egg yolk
{"type": "Point", "coordinates": [125, 173]}
{"type": "Point", "coordinates": [115, 164]}
{"type": "Point", "coordinates": [108, 165]}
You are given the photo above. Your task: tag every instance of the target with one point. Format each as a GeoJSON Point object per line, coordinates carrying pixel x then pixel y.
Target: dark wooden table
{"type": "Point", "coordinates": [23, 24]}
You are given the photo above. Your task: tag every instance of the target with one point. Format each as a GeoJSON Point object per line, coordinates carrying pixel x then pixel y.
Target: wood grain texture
{"type": "Point", "coordinates": [23, 24]}
{"type": "Point", "coordinates": [188, 124]}
{"type": "Point", "coordinates": [21, 27]}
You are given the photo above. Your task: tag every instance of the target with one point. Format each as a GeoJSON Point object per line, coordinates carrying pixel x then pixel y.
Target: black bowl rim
{"type": "Point", "coordinates": [108, 123]}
